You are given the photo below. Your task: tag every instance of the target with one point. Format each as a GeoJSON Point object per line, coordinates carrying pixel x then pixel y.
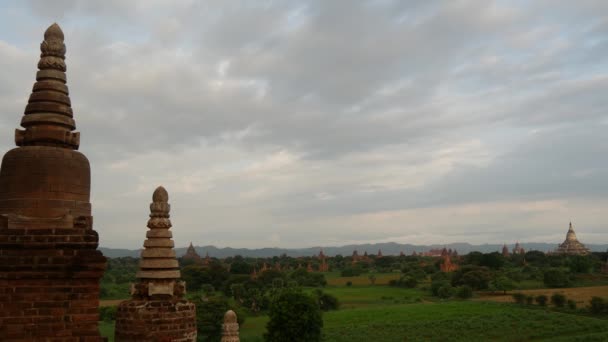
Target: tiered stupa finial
{"type": "Point", "coordinates": [157, 310]}
{"type": "Point", "coordinates": [48, 119]}
{"type": "Point", "coordinates": [158, 259]}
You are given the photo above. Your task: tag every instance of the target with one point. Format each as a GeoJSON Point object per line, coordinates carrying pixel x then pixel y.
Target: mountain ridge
{"type": "Point", "coordinates": [387, 248]}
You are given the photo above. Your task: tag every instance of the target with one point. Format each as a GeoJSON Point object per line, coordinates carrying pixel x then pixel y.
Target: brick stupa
{"type": "Point", "coordinates": [50, 267]}
{"type": "Point", "coordinates": [157, 310]}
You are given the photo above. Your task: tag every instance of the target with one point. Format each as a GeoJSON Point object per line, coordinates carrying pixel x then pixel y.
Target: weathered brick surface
{"type": "Point", "coordinates": [157, 310]}
{"type": "Point", "coordinates": [50, 267]}
{"type": "Point", "coordinates": [156, 321]}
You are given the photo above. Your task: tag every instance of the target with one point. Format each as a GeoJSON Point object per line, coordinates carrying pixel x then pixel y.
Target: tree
{"type": "Point", "coordinates": [558, 299]}
{"type": "Point", "coordinates": [477, 279]}
{"type": "Point", "coordinates": [372, 279]}
{"type": "Point", "coordinates": [502, 283]}
{"type": "Point", "coordinates": [541, 300]}
{"type": "Point", "coordinates": [294, 316]}
{"type": "Point", "coordinates": [579, 263]}
{"type": "Point", "coordinates": [464, 292]}
{"type": "Point", "coordinates": [209, 317]}
{"type": "Point", "coordinates": [492, 260]}
{"type": "Point", "coordinates": [556, 278]}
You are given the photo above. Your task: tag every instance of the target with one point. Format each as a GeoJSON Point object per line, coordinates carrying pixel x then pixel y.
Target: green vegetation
{"type": "Point", "coordinates": [393, 298]}
{"type": "Point", "coordinates": [294, 316]}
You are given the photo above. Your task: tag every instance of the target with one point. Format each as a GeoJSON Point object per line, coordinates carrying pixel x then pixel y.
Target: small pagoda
{"type": "Point", "coordinates": [571, 245]}
{"type": "Point", "coordinates": [157, 310]}
{"type": "Point", "coordinates": [505, 250]}
{"type": "Point", "coordinates": [192, 256]}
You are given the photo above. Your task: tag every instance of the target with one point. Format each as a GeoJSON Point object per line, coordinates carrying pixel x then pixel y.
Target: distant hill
{"type": "Point", "coordinates": [388, 248]}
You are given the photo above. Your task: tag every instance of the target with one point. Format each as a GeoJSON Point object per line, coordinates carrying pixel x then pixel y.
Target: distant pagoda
{"type": "Point", "coordinates": [192, 255]}
{"type": "Point", "coordinates": [571, 245]}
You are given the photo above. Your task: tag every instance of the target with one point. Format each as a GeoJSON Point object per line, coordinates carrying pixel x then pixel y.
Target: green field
{"type": "Point", "coordinates": [382, 313]}
{"type": "Point", "coordinates": [449, 321]}
{"type": "Point", "coordinates": [107, 330]}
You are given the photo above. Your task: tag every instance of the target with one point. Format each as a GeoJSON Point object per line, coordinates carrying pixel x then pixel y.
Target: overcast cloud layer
{"type": "Point", "coordinates": [306, 123]}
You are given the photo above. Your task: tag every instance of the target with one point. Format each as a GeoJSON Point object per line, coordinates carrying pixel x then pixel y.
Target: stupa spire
{"type": "Point", "coordinates": [158, 258]}
{"type": "Point", "coordinates": [48, 117]}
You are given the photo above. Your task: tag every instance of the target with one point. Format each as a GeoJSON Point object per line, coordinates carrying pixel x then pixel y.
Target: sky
{"type": "Point", "coordinates": [325, 123]}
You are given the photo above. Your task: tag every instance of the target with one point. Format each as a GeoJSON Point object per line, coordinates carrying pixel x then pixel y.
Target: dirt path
{"type": "Point", "coordinates": [110, 302]}
{"type": "Point", "coordinates": [581, 295]}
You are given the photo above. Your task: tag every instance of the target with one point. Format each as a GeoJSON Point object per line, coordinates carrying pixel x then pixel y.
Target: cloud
{"type": "Point", "coordinates": [298, 123]}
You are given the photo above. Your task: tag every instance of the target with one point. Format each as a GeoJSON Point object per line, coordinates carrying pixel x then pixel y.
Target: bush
{"type": "Point", "coordinates": [207, 288]}
{"type": "Point", "coordinates": [405, 281]}
{"type": "Point", "coordinates": [349, 283]}
{"type": "Point", "coordinates": [326, 301]}
{"type": "Point", "coordinates": [541, 300]}
{"type": "Point", "coordinates": [556, 278]}
{"type": "Point", "coordinates": [294, 316]}
{"type": "Point", "coordinates": [598, 306]}
{"type": "Point", "coordinates": [351, 272]}
{"type": "Point", "coordinates": [209, 317]}
{"type": "Point", "coordinates": [107, 313]}
{"type": "Point", "coordinates": [436, 285]}
{"type": "Point", "coordinates": [311, 279]}
{"type": "Point", "coordinates": [558, 299]}
{"type": "Point", "coordinates": [464, 292]}
{"type": "Point", "coordinates": [571, 304]}
{"type": "Point", "coordinates": [530, 300]}
{"type": "Point", "coordinates": [445, 292]}
{"type": "Point", "coordinates": [519, 298]}
{"type": "Point", "coordinates": [501, 283]}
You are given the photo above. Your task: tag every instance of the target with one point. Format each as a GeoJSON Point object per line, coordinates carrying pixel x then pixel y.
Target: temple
{"type": "Point", "coordinates": [323, 266]}
{"type": "Point", "coordinates": [505, 250]}
{"type": "Point", "coordinates": [157, 310]}
{"type": "Point", "coordinates": [446, 264]}
{"type": "Point", "coordinates": [571, 245]}
{"type": "Point", "coordinates": [192, 256]}
{"type": "Point", "coordinates": [517, 249]}
{"type": "Point", "coordinates": [50, 267]}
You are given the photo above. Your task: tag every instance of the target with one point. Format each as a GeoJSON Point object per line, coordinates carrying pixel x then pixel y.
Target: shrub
{"type": "Point", "coordinates": [349, 283]}
{"type": "Point", "coordinates": [556, 278]}
{"type": "Point", "coordinates": [464, 292]}
{"type": "Point", "coordinates": [541, 300]}
{"type": "Point", "coordinates": [571, 304]}
{"type": "Point", "coordinates": [405, 281]}
{"type": "Point", "coordinates": [294, 316]}
{"type": "Point", "coordinates": [326, 301]}
{"type": "Point", "coordinates": [207, 288]}
{"type": "Point", "coordinates": [445, 291]}
{"type": "Point", "coordinates": [519, 298]}
{"type": "Point", "coordinates": [209, 317]}
{"type": "Point", "coordinates": [501, 283]}
{"type": "Point", "coordinates": [598, 306]}
{"type": "Point", "coordinates": [351, 272]}
{"type": "Point", "coordinates": [436, 285]}
{"type": "Point", "coordinates": [530, 300]}
{"type": "Point", "coordinates": [558, 299]}
{"type": "Point", "coordinates": [107, 313]}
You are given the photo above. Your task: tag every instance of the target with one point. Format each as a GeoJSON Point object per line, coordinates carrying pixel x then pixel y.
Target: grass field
{"type": "Point", "coordinates": [449, 321]}
{"type": "Point", "coordinates": [382, 313]}
{"type": "Point", "coordinates": [107, 330]}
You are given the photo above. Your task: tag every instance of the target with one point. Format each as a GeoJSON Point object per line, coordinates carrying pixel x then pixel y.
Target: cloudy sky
{"type": "Point", "coordinates": [307, 123]}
